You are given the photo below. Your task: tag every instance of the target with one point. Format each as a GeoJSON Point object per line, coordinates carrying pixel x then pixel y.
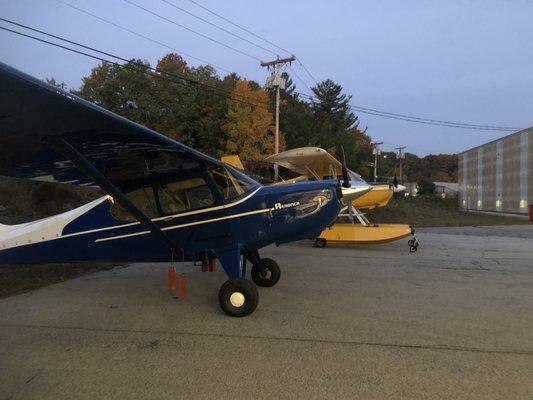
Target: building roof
{"type": "Point", "coordinates": [530, 129]}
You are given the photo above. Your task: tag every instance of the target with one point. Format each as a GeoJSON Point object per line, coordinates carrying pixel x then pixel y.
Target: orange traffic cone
{"type": "Point", "coordinates": [171, 278]}
{"type": "Point", "coordinates": [182, 289]}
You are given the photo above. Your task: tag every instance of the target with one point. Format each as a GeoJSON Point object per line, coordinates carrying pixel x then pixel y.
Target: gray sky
{"type": "Point", "coordinates": [463, 61]}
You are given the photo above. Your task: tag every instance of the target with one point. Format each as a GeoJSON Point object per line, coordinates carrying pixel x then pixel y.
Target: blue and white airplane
{"type": "Point", "coordinates": [165, 201]}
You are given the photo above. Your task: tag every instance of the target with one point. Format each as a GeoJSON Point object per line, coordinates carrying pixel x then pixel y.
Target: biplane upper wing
{"type": "Point", "coordinates": [35, 118]}
{"type": "Point", "coordinates": [307, 161]}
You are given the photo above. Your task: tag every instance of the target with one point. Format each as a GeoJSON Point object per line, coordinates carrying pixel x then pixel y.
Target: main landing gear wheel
{"type": "Point", "coordinates": [272, 275]}
{"type": "Point", "coordinates": [320, 242]}
{"type": "Point", "coordinates": [238, 297]}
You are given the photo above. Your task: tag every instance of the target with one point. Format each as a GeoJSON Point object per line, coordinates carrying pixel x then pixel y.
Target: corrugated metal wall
{"type": "Point", "coordinates": [498, 176]}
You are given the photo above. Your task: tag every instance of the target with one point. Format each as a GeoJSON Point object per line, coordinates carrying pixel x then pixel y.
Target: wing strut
{"type": "Point", "coordinates": [68, 151]}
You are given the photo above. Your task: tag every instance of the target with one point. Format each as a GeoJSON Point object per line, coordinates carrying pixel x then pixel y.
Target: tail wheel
{"type": "Point", "coordinates": [270, 277]}
{"type": "Point", "coordinates": [238, 297]}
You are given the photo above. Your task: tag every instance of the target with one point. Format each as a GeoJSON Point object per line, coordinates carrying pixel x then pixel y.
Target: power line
{"type": "Point", "coordinates": [192, 30]}
{"type": "Point", "coordinates": [419, 120]}
{"type": "Point", "coordinates": [255, 35]}
{"type": "Point", "coordinates": [308, 72]}
{"type": "Point", "coordinates": [251, 33]}
{"type": "Point", "coordinates": [218, 26]}
{"type": "Point", "coordinates": [155, 72]}
{"type": "Point", "coordinates": [361, 109]}
{"type": "Point", "coordinates": [225, 94]}
{"type": "Point", "coordinates": [300, 79]}
{"type": "Point", "coordinates": [140, 35]}
{"type": "Point", "coordinates": [240, 27]}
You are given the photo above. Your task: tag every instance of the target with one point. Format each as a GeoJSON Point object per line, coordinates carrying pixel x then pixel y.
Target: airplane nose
{"type": "Point", "coordinates": [399, 189]}
{"type": "Point", "coordinates": [356, 190]}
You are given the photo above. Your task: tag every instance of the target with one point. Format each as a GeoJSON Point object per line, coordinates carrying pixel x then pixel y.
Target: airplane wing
{"type": "Point", "coordinates": [35, 115]}
{"type": "Point", "coordinates": [307, 161]}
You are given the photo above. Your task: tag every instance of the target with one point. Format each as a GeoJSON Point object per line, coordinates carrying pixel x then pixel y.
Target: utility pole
{"type": "Point", "coordinates": [400, 155]}
{"type": "Point", "coordinates": [376, 152]}
{"type": "Point", "coordinates": [275, 80]}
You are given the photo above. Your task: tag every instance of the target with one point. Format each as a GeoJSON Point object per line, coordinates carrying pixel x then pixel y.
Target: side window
{"type": "Point", "coordinates": [143, 199]}
{"type": "Point", "coordinates": [191, 194]}
{"type": "Point", "coordinates": [225, 183]}
{"type": "Point", "coordinates": [232, 183]}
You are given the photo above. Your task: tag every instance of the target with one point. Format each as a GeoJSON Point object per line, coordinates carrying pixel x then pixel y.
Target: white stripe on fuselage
{"type": "Point", "coordinates": [39, 236]}
{"type": "Point", "coordinates": [205, 221]}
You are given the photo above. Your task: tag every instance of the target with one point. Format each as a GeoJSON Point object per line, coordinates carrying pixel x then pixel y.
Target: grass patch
{"type": "Point", "coordinates": [15, 279]}
{"type": "Point", "coordinates": [434, 211]}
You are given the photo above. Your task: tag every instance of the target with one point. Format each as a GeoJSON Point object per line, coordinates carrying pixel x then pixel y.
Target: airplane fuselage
{"type": "Point", "coordinates": [266, 215]}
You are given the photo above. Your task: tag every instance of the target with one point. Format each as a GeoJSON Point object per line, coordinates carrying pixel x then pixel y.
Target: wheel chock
{"type": "Point", "coordinates": [182, 287]}
{"type": "Point", "coordinates": [213, 265]}
{"type": "Point", "coordinates": [171, 278]}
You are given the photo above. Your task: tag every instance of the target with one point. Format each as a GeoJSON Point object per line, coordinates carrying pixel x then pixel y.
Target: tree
{"type": "Point", "coordinates": [127, 91]}
{"type": "Point", "coordinates": [249, 123]}
{"type": "Point", "coordinates": [337, 129]}
{"type": "Point", "coordinates": [297, 121]}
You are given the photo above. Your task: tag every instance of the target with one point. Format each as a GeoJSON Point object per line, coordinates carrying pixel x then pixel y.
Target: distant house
{"type": "Point", "coordinates": [443, 189]}
{"type": "Point", "coordinates": [446, 189]}
{"type": "Point", "coordinates": [498, 176]}
{"type": "Point", "coordinates": [411, 189]}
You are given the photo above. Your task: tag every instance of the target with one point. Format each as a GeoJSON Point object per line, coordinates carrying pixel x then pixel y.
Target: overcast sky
{"type": "Point", "coordinates": [464, 61]}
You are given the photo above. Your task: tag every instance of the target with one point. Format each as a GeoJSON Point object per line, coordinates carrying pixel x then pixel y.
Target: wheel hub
{"type": "Point", "coordinates": [237, 299]}
{"type": "Point", "coordinates": [267, 274]}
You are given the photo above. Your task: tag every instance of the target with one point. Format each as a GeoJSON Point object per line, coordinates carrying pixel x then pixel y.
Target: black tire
{"type": "Point", "coordinates": [272, 276]}
{"type": "Point", "coordinates": [244, 291]}
{"type": "Point", "coordinates": [411, 242]}
{"type": "Point", "coordinates": [320, 242]}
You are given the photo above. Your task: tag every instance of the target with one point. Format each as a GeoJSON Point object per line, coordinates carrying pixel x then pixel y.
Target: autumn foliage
{"type": "Point", "coordinates": [231, 115]}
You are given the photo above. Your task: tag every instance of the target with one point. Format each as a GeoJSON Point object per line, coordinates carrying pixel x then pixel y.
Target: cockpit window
{"type": "Point", "coordinates": [232, 183]}
{"type": "Point", "coordinates": [168, 198]}
{"type": "Point", "coordinates": [191, 194]}
{"type": "Point", "coordinates": [143, 199]}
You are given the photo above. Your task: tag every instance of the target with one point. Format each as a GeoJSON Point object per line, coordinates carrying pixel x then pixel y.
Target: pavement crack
{"type": "Point", "coordinates": [436, 347]}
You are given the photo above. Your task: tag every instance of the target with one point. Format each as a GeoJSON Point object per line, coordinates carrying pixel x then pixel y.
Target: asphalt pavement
{"type": "Point", "coordinates": [452, 321]}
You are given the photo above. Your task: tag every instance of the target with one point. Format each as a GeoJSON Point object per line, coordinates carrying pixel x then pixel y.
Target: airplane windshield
{"type": "Point", "coordinates": [231, 183]}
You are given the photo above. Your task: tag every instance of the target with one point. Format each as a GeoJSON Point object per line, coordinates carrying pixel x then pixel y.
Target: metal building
{"type": "Point", "coordinates": [498, 176]}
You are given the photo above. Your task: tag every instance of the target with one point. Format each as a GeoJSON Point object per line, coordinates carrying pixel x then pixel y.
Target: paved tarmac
{"type": "Point", "coordinates": [453, 321]}
{"type": "Point", "coordinates": [519, 231]}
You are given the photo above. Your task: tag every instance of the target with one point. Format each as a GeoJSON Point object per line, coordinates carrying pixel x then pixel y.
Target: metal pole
{"type": "Point", "coordinates": [400, 156]}
{"type": "Point", "coordinates": [401, 177]}
{"type": "Point", "coordinates": [376, 154]}
{"type": "Point", "coordinates": [276, 137]}
{"type": "Point", "coordinates": [276, 134]}
{"type": "Point", "coordinates": [275, 64]}
{"type": "Point", "coordinates": [376, 167]}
